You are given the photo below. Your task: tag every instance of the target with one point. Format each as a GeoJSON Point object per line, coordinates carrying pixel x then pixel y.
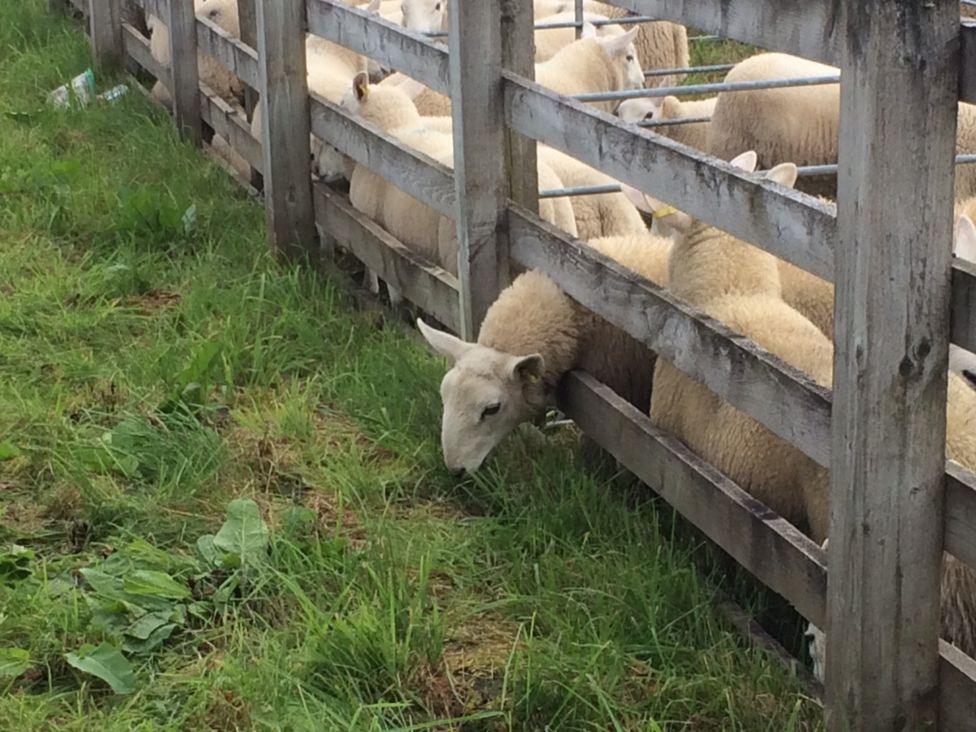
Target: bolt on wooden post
{"type": "Point", "coordinates": [105, 30]}
{"type": "Point", "coordinates": [184, 73]}
{"type": "Point", "coordinates": [285, 114]}
{"type": "Point", "coordinates": [895, 199]}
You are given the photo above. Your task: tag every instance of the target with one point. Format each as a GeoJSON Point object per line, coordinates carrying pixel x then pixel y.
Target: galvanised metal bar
{"type": "Point", "coordinates": [673, 122]}
{"type": "Point", "coordinates": [707, 88]}
{"type": "Point", "coordinates": [631, 20]}
{"type": "Point", "coordinates": [692, 69]}
{"type": "Point", "coordinates": [579, 191]}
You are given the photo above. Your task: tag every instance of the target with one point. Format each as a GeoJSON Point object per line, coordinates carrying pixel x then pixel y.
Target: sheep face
{"type": "Point", "coordinates": [328, 164]}
{"type": "Point", "coordinates": [620, 49]}
{"type": "Point", "coordinates": [486, 394]}
{"type": "Point", "coordinates": [424, 16]}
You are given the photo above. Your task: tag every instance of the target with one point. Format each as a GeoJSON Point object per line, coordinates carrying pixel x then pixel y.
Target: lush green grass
{"type": "Point", "coordinates": [151, 372]}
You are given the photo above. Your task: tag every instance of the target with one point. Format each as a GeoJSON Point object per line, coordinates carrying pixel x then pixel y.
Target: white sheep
{"type": "Point", "coordinates": [531, 336]}
{"type": "Point", "coordinates": [661, 109]}
{"type": "Point", "coordinates": [424, 16]}
{"type": "Point", "coordinates": [594, 64]}
{"type": "Point", "coordinates": [549, 41]}
{"type": "Point", "coordinates": [212, 73]}
{"type": "Point", "coordinates": [428, 102]}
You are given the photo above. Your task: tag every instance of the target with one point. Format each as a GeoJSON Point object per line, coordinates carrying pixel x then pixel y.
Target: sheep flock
{"type": "Point", "coordinates": [534, 333]}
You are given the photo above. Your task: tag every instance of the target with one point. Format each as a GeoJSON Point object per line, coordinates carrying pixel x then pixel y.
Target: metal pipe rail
{"type": "Point", "coordinates": [630, 20]}
{"type": "Point", "coordinates": [735, 86]}
{"type": "Point", "coordinates": [692, 69]}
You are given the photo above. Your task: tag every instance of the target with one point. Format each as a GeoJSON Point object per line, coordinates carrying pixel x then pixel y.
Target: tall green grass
{"type": "Point", "coordinates": [154, 369]}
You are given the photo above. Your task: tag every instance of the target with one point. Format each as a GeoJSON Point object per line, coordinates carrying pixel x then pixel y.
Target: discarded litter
{"type": "Point", "coordinates": [80, 89]}
{"type": "Point", "coordinates": [114, 94]}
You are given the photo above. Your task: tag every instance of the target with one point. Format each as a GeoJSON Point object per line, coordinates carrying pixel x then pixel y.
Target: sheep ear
{"type": "Point", "coordinates": [589, 30]}
{"type": "Point", "coordinates": [746, 161]}
{"type": "Point", "coordinates": [527, 369]}
{"type": "Point", "coordinates": [360, 85]}
{"type": "Point", "coordinates": [617, 45]}
{"type": "Point", "coordinates": [641, 200]}
{"type": "Point", "coordinates": [449, 346]}
{"type": "Point", "coordinates": [635, 110]}
{"type": "Point", "coordinates": [373, 7]}
{"type": "Point", "coordinates": [964, 245]}
{"type": "Point", "coordinates": [784, 174]}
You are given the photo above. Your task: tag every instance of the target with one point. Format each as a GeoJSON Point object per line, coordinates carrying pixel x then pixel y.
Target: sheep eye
{"type": "Point", "coordinates": [437, 7]}
{"type": "Point", "coordinates": [490, 410]}
{"type": "Point", "coordinates": [630, 58]}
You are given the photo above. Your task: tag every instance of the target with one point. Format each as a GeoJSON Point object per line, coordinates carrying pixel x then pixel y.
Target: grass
{"type": "Point", "coordinates": [157, 365]}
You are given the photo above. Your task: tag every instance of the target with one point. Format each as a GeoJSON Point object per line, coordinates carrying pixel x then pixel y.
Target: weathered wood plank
{"type": "Point", "coordinates": [518, 57]}
{"type": "Point", "coordinates": [159, 8]}
{"type": "Point", "coordinates": [753, 380]}
{"type": "Point", "coordinates": [230, 124]}
{"type": "Point", "coordinates": [239, 58]}
{"type": "Point", "coordinates": [184, 74]}
{"type": "Point", "coordinates": [414, 172]}
{"type": "Point", "coordinates": [960, 514]}
{"type": "Point", "coordinates": [967, 63]}
{"type": "Point", "coordinates": [770, 547]}
{"type": "Point", "coordinates": [381, 40]}
{"type": "Point", "coordinates": [249, 36]}
{"type": "Point", "coordinates": [957, 689]}
{"type": "Point", "coordinates": [805, 28]}
{"type": "Point", "coordinates": [285, 114]}
{"type": "Point", "coordinates": [963, 321]}
{"type": "Point", "coordinates": [788, 224]}
{"type": "Point", "coordinates": [479, 172]}
{"type": "Point", "coordinates": [890, 364]}
{"type": "Point", "coordinates": [424, 284]}
{"type": "Point", "coordinates": [105, 31]}
{"type": "Point", "coordinates": [137, 47]}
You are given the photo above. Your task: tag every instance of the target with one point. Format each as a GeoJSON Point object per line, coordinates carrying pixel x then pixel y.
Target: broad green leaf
{"type": "Point", "coordinates": [208, 552]}
{"type": "Point", "coordinates": [103, 584]}
{"type": "Point", "coordinates": [155, 584]}
{"type": "Point", "coordinates": [154, 641]}
{"type": "Point", "coordinates": [15, 563]}
{"type": "Point", "coordinates": [107, 663]}
{"type": "Point", "coordinates": [244, 533]}
{"type": "Point", "coordinates": [8, 450]}
{"type": "Point", "coordinates": [148, 624]}
{"type": "Point", "coordinates": [13, 662]}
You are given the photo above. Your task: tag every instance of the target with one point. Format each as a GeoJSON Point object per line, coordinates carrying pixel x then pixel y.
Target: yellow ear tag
{"type": "Point", "coordinates": [533, 378]}
{"type": "Point", "coordinates": [662, 212]}
{"type": "Point", "coordinates": [362, 90]}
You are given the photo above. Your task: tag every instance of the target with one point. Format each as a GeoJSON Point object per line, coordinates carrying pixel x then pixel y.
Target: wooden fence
{"type": "Point", "coordinates": [900, 297]}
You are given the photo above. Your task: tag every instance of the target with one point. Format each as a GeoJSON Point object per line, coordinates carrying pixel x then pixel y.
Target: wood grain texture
{"type": "Point", "coordinates": [891, 360]}
{"type": "Point", "coordinates": [957, 689]}
{"type": "Point", "coordinates": [479, 171]}
{"type": "Point", "coordinates": [963, 322]}
{"type": "Point", "coordinates": [285, 112]}
{"type": "Point", "coordinates": [385, 42]}
{"type": "Point", "coordinates": [159, 8]}
{"type": "Point", "coordinates": [105, 31]}
{"type": "Point", "coordinates": [518, 57]}
{"type": "Point", "coordinates": [232, 125]}
{"type": "Point", "coordinates": [807, 28]}
{"type": "Point", "coordinates": [788, 224]}
{"type": "Point", "coordinates": [137, 47]}
{"type": "Point", "coordinates": [247, 14]}
{"type": "Point", "coordinates": [771, 548]}
{"type": "Point", "coordinates": [423, 283]}
{"type": "Point", "coordinates": [238, 57]}
{"type": "Point", "coordinates": [184, 72]}
{"type": "Point", "coordinates": [967, 64]}
{"type": "Point", "coordinates": [783, 399]}
{"type": "Point", "coordinates": [414, 172]}
{"type": "Point", "coordinates": [960, 514]}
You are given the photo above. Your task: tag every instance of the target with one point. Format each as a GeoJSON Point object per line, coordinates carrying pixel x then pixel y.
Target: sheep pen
{"type": "Point", "coordinates": [870, 270]}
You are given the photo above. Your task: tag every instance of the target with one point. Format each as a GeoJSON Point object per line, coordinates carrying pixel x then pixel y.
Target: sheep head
{"type": "Point", "coordinates": [486, 394]}
{"type": "Point", "coordinates": [620, 49]}
{"type": "Point", "coordinates": [424, 16]}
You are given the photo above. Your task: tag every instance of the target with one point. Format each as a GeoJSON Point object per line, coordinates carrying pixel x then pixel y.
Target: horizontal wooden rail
{"type": "Point", "coordinates": [239, 58]}
{"type": "Point", "coordinates": [415, 173]}
{"type": "Point", "coordinates": [805, 28]}
{"type": "Point", "coordinates": [960, 514]}
{"type": "Point", "coordinates": [957, 689]}
{"type": "Point", "coordinates": [137, 47]}
{"type": "Point", "coordinates": [231, 124]}
{"type": "Point", "coordinates": [425, 284]}
{"type": "Point", "coordinates": [751, 379]}
{"type": "Point", "coordinates": [788, 224]}
{"type": "Point", "coordinates": [963, 326]}
{"type": "Point", "coordinates": [383, 41]}
{"type": "Point", "coordinates": [771, 548]}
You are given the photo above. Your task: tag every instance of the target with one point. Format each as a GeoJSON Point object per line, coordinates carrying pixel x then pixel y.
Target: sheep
{"type": "Point", "coordinates": [549, 41]}
{"type": "Point", "coordinates": [212, 72]}
{"type": "Point", "coordinates": [660, 45]}
{"type": "Point", "coordinates": [801, 123]}
{"type": "Point", "coordinates": [416, 225]}
{"type": "Point", "coordinates": [594, 64]}
{"type": "Point", "coordinates": [428, 102]}
{"type": "Point", "coordinates": [667, 108]}
{"type": "Point", "coordinates": [531, 336]}
{"type": "Point", "coordinates": [425, 16]}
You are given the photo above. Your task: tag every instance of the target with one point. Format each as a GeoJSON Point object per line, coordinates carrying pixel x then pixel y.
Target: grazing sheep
{"type": "Point", "coordinates": [660, 45]}
{"type": "Point", "coordinates": [594, 64]}
{"type": "Point", "coordinates": [661, 109]}
{"type": "Point", "coordinates": [212, 73]}
{"type": "Point", "coordinates": [531, 336]}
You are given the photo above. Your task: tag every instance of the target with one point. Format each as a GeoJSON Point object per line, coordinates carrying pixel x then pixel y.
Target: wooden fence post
{"type": "Point", "coordinates": [184, 74]}
{"type": "Point", "coordinates": [249, 35]}
{"type": "Point", "coordinates": [286, 120]}
{"type": "Point", "coordinates": [105, 28]}
{"type": "Point", "coordinates": [518, 55]}
{"type": "Point", "coordinates": [898, 93]}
